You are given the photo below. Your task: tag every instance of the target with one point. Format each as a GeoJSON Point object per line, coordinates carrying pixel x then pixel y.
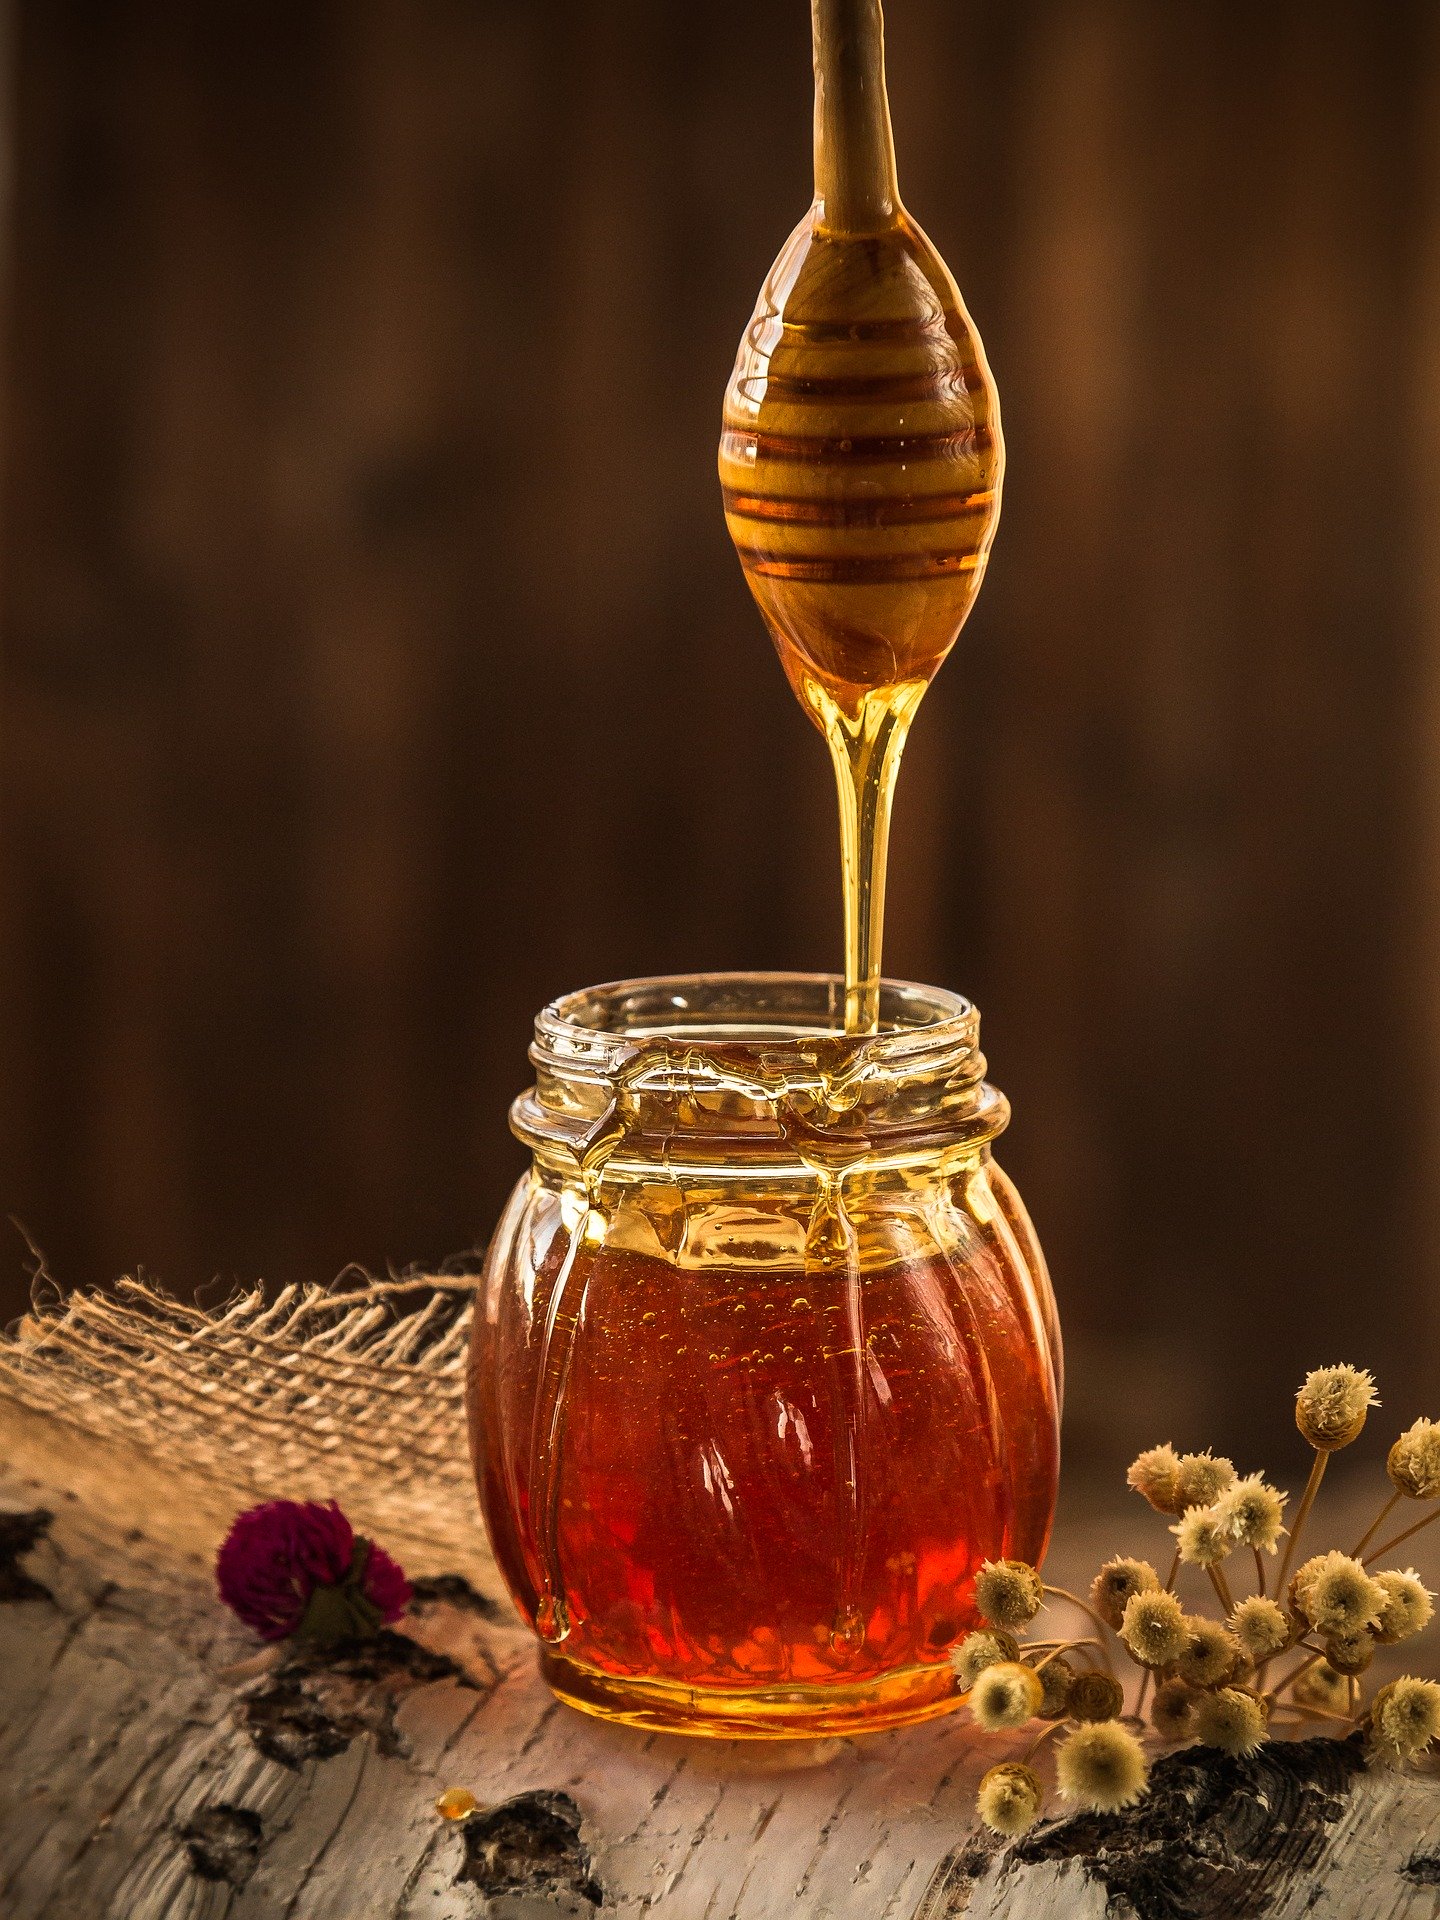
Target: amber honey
{"type": "Point", "coordinates": [860, 462]}
{"type": "Point", "coordinates": [730, 1573]}
{"type": "Point", "coordinates": [764, 1362]}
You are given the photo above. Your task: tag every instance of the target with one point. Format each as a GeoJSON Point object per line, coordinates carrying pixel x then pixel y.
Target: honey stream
{"type": "Point", "coordinates": [860, 461]}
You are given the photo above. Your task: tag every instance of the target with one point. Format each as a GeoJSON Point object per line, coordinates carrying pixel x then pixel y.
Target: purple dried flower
{"type": "Point", "coordinates": [297, 1566]}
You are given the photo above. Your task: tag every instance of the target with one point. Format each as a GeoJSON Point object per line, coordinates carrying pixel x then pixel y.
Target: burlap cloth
{"type": "Point", "coordinates": [171, 1417]}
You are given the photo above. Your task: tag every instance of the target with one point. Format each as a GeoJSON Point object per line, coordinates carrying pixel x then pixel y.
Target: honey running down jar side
{"type": "Point", "coordinates": [764, 1361]}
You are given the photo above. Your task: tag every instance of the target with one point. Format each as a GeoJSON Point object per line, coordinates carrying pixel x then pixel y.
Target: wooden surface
{"type": "Point", "coordinates": [353, 699]}
{"type": "Point", "coordinates": [123, 1730]}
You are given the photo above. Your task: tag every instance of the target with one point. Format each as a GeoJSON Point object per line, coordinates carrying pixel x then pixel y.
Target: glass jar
{"type": "Point", "coordinates": [764, 1360]}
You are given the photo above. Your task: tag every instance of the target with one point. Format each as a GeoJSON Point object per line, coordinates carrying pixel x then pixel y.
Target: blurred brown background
{"type": "Point", "coordinates": [375, 665]}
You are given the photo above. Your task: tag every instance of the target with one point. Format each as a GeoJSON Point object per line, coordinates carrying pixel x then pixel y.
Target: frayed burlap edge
{"type": "Point", "coordinates": [169, 1417]}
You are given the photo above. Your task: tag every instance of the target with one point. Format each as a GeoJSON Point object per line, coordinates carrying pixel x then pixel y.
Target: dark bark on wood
{"type": "Point", "coordinates": [531, 1844]}
{"type": "Point", "coordinates": [223, 1842]}
{"type": "Point", "coordinates": [19, 1533]}
{"type": "Point", "coordinates": [1215, 1836]}
{"type": "Point", "coordinates": [319, 1699]}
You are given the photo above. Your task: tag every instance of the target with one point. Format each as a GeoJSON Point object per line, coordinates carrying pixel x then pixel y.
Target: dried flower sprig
{"type": "Point", "coordinates": [1210, 1674]}
{"type": "Point", "coordinates": [1010, 1798]}
{"type": "Point", "coordinates": [1008, 1593]}
{"type": "Point", "coordinates": [1103, 1766]}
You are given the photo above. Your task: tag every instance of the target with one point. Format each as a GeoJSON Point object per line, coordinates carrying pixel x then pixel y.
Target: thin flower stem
{"type": "Point", "coordinates": [1063, 1593]}
{"type": "Point", "coordinates": [1375, 1526]}
{"type": "Point", "coordinates": [1062, 1646]}
{"type": "Point", "coordinates": [1222, 1588]}
{"type": "Point", "coordinates": [1301, 1646]}
{"type": "Point", "coordinates": [1396, 1538]}
{"type": "Point", "coordinates": [1311, 1713]}
{"type": "Point", "coordinates": [1174, 1572]}
{"type": "Point", "coordinates": [1293, 1676]}
{"type": "Point", "coordinates": [1145, 1679]}
{"type": "Point", "coordinates": [1265, 1665]}
{"type": "Point", "coordinates": [1036, 1744]}
{"type": "Point", "coordinates": [1307, 1500]}
{"type": "Point", "coordinates": [1259, 1573]}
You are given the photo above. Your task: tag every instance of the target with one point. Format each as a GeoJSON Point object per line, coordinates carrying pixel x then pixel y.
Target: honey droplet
{"type": "Point", "coordinates": [552, 1620]}
{"type": "Point", "coordinates": [456, 1803]}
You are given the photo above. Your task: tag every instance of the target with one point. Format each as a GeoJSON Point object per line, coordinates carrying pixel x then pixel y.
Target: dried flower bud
{"type": "Point", "coordinates": [1172, 1711]}
{"type": "Point", "coordinates": [1156, 1475]}
{"type": "Point", "coordinates": [1008, 1592]}
{"type": "Point", "coordinates": [1321, 1686]}
{"type": "Point", "coordinates": [1330, 1408]}
{"type": "Point", "coordinates": [1233, 1719]}
{"type": "Point", "coordinates": [1409, 1606]}
{"type": "Point", "coordinates": [1212, 1653]}
{"type": "Point", "coordinates": [298, 1567]}
{"type": "Point", "coordinates": [1253, 1512]}
{"type": "Point", "coordinates": [1201, 1479]}
{"type": "Point", "coordinates": [1405, 1717]}
{"type": "Point", "coordinates": [1261, 1627]}
{"type": "Point", "coordinates": [1006, 1695]}
{"type": "Point", "coordinates": [1101, 1765]}
{"type": "Point", "coordinates": [1350, 1653]}
{"type": "Point", "coordinates": [1009, 1798]}
{"type": "Point", "coordinates": [1117, 1582]}
{"type": "Point", "coordinates": [1154, 1628]}
{"type": "Point", "coordinates": [1300, 1582]}
{"type": "Point", "coordinates": [1337, 1596]}
{"type": "Point", "coordinates": [1096, 1696]}
{"type": "Point", "coordinates": [1203, 1537]}
{"type": "Point", "coordinates": [1414, 1462]}
{"type": "Point", "coordinates": [1055, 1678]}
{"type": "Point", "coordinates": [980, 1650]}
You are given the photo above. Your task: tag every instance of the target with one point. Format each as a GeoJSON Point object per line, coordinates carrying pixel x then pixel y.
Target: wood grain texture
{"type": "Point", "coordinates": [358, 691]}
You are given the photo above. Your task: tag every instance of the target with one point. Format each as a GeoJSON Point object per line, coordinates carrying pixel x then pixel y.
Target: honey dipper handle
{"type": "Point", "coordinates": [854, 147]}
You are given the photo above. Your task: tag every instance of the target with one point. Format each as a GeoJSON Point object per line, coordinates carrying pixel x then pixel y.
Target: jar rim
{"type": "Point", "coordinates": [710, 1014]}
{"type": "Point", "coordinates": [736, 1060]}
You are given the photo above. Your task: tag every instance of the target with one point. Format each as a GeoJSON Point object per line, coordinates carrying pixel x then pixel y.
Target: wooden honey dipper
{"type": "Point", "coordinates": [860, 462]}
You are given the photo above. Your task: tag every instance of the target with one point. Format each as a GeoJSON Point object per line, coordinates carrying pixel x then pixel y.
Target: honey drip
{"type": "Point", "coordinates": [860, 462]}
{"type": "Point", "coordinates": [564, 1318]}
